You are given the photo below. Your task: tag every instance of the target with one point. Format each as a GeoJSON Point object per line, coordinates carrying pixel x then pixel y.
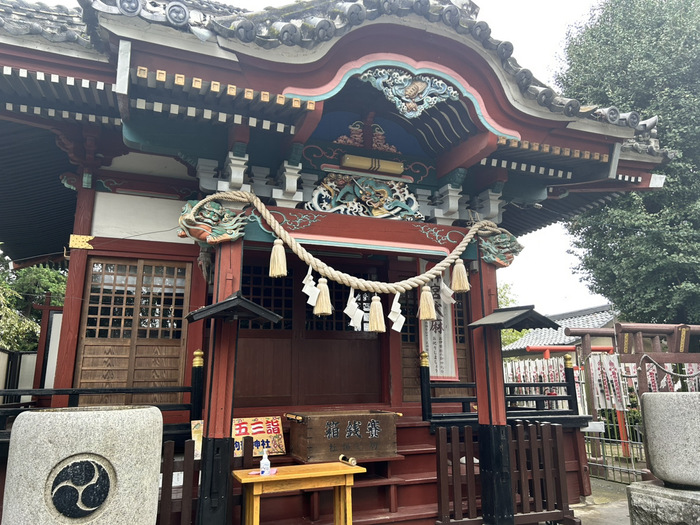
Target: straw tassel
{"type": "Point", "coordinates": [376, 315]}
{"type": "Point", "coordinates": [427, 305]}
{"type": "Point", "coordinates": [278, 260]}
{"type": "Point", "coordinates": [460, 279]}
{"type": "Point", "coordinates": [323, 303]}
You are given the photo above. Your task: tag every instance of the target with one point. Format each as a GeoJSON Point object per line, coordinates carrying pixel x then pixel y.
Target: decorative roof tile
{"type": "Point", "coordinates": [54, 23]}
{"type": "Point", "coordinates": [596, 317]}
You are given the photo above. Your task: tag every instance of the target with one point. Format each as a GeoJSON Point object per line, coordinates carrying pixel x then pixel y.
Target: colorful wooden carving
{"type": "Point", "coordinates": [213, 223]}
{"type": "Point", "coordinates": [356, 137]}
{"type": "Point", "coordinates": [364, 196]}
{"type": "Point", "coordinates": [499, 249]}
{"type": "Point", "coordinates": [410, 94]}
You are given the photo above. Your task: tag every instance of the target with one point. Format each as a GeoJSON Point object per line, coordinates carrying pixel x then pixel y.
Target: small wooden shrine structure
{"type": "Point", "coordinates": [385, 145]}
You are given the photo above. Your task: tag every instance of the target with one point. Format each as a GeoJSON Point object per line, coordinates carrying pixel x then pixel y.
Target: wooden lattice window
{"type": "Point", "coordinates": [162, 299]}
{"type": "Point", "coordinates": [275, 294]}
{"type": "Point", "coordinates": [114, 291]}
{"type": "Point", "coordinates": [338, 321]}
{"type": "Point", "coordinates": [409, 309]}
{"type": "Point", "coordinates": [461, 320]}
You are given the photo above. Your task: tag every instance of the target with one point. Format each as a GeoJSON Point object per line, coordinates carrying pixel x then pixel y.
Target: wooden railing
{"type": "Point", "coordinates": [73, 395]}
{"type": "Point", "coordinates": [537, 467]}
{"type": "Point", "coordinates": [194, 407]}
{"type": "Point", "coordinates": [460, 396]}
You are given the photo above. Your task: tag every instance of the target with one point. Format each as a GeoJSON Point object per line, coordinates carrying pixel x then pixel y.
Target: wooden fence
{"type": "Point", "coordinates": [537, 467]}
{"type": "Point", "coordinates": [178, 501]}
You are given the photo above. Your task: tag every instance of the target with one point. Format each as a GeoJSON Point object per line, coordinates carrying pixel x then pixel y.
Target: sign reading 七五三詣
{"type": "Point", "coordinates": [437, 337]}
{"type": "Point", "coordinates": [265, 431]}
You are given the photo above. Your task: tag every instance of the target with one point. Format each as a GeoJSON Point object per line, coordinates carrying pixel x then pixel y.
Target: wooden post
{"type": "Point", "coordinates": [570, 384]}
{"type": "Point", "coordinates": [42, 350]}
{"type": "Point", "coordinates": [425, 394]}
{"type": "Point", "coordinates": [196, 398]}
{"type": "Point", "coordinates": [72, 306]}
{"type": "Point", "coordinates": [494, 446]}
{"type": "Point", "coordinates": [217, 444]}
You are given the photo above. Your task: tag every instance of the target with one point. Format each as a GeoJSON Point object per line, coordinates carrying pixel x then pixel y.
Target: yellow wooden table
{"type": "Point", "coordinates": [337, 475]}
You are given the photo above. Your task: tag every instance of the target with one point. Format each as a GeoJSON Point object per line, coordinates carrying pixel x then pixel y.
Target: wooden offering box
{"type": "Point", "coordinates": [324, 436]}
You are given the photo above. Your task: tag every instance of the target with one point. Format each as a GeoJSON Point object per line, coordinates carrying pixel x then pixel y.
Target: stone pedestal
{"type": "Point", "coordinates": [652, 503]}
{"type": "Point", "coordinates": [672, 436]}
{"type": "Point", "coordinates": [96, 465]}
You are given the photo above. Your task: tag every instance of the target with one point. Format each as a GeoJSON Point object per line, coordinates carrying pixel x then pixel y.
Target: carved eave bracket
{"type": "Point", "coordinates": [89, 148]}
{"type": "Point", "coordinates": [212, 223]}
{"type": "Point", "coordinates": [499, 249]}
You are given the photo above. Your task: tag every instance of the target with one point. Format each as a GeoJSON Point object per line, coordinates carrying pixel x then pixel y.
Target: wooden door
{"type": "Point", "coordinates": [132, 331]}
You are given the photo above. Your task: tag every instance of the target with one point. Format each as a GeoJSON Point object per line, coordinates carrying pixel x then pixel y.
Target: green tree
{"type": "Point", "coordinates": [19, 325]}
{"type": "Point", "coordinates": [642, 251]}
{"type": "Point", "coordinates": [15, 328]}
{"type": "Point", "coordinates": [32, 285]}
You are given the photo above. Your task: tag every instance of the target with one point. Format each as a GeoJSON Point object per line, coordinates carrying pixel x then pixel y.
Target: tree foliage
{"type": "Point", "coordinates": [642, 251]}
{"type": "Point", "coordinates": [19, 325]}
{"type": "Point", "coordinates": [15, 328]}
{"type": "Point", "coordinates": [32, 285]}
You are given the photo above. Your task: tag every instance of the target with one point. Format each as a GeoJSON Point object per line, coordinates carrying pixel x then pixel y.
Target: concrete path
{"type": "Point", "coordinates": [607, 505]}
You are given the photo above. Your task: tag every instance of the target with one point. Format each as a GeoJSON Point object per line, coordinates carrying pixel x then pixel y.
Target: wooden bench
{"type": "Point", "coordinates": [336, 475]}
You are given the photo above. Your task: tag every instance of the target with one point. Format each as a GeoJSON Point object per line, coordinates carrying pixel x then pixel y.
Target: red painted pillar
{"type": "Point", "coordinates": [220, 359]}
{"type": "Point", "coordinates": [486, 349]}
{"type": "Point", "coordinates": [494, 446]}
{"type": "Point", "coordinates": [217, 445]}
{"type": "Point", "coordinates": [72, 306]}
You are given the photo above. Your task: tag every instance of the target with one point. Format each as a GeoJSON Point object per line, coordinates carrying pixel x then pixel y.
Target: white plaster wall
{"type": "Point", "coordinates": [135, 217]}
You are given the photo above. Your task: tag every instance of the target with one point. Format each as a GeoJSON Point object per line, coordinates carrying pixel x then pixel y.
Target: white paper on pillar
{"type": "Point", "coordinates": [437, 337]}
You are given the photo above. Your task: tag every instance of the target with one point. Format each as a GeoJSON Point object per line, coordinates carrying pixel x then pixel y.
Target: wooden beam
{"type": "Point", "coordinates": [467, 153]}
{"type": "Point", "coordinates": [308, 123]}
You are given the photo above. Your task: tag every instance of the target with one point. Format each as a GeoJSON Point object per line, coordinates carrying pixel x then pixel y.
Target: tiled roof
{"type": "Point", "coordinates": [596, 317]}
{"type": "Point", "coordinates": [54, 23]}
{"type": "Point", "coordinates": [307, 24]}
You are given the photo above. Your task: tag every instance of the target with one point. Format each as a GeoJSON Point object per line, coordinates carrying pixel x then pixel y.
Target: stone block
{"type": "Point", "coordinates": [672, 436]}
{"type": "Point", "coordinates": [652, 503]}
{"type": "Point", "coordinates": [96, 465]}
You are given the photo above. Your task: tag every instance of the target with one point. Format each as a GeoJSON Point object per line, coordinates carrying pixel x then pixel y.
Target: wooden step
{"type": "Point", "coordinates": [411, 515]}
{"type": "Point", "coordinates": [417, 478]}
{"type": "Point", "coordinates": [417, 448]}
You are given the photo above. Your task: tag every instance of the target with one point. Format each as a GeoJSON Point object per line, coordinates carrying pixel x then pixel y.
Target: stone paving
{"type": "Point", "coordinates": [607, 505]}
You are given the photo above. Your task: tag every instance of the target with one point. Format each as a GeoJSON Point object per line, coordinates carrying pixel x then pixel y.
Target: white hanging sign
{"type": "Point", "coordinates": [437, 337]}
